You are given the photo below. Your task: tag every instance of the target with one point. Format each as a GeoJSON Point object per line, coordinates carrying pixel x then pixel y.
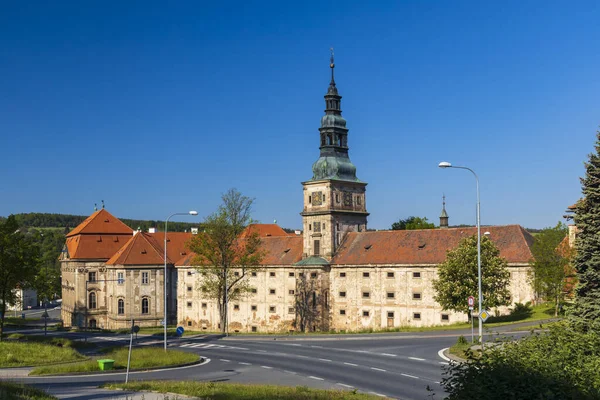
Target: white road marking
{"type": "Point", "coordinates": [261, 351]}
{"type": "Point", "coordinates": [265, 367]}
{"type": "Point", "coordinates": [389, 355]}
{"type": "Point", "coordinates": [417, 358]}
{"type": "Point", "coordinates": [354, 365]}
{"type": "Point", "coordinates": [186, 345]}
{"type": "Point", "coordinates": [289, 372]}
{"type": "Point", "coordinates": [317, 347]}
{"type": "Point", "coordinates": [344, 385]}
{"type": "Point", "coordinates": [442, 356]}
{"type": "Point", "coordinates": [292, 344]}
{"type": "Point", "coordinates": [436, 382]}
{"type": "Point", "coordinates": [443, 362]}
{"type": "Point", "coordinates": [323, 359]}
{"type": "Point", "coordinates": [316, 377]}
{"type": "Point", "coordinates": [410, 376]}
{"type": "Point", "coordinates": [222, 359]}
{"type": "Point", "coordinates": [301, 356]}
{"type": "Point", "coordinates": [378, 369]}
{"type": "Point", "coordinates": [244, 363]}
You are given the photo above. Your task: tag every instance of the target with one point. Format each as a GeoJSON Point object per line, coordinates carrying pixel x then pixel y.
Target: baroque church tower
{"type": "Point", "coordinates": [334, 199]}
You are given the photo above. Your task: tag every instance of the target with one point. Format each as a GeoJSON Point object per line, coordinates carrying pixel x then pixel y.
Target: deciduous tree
{"type": "Point", "coordinates": [306, 303]}
{"type": "Point", "coordinates": [224, 258]}
{"type": "Point", "coordinates": [411, 223]}
{"type": "Point", "coordinates": [550, 264]}
{"type": "Point", "coordinates": [457, 277]}
{"type": "Point", "coordinates": [18, 264]}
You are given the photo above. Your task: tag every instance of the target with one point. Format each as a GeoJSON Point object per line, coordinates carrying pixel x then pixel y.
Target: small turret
{"type": "Point", "coordinates": [444, 215]}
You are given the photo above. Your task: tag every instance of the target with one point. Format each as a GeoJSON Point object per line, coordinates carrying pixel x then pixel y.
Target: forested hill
{"type": "Point", "coordinates": [68, 222]}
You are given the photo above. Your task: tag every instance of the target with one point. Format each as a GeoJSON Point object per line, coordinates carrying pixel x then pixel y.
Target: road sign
{"type": "Point", "coordinates": [135, 329]}
{"type": "Point", "coordinates": [179, 330]}
{"type": "Point", "coordinates": [471, 308]}
{"type": "Point", "coordinates": [484, 315]}
{"type": "Point", "coordinates": [471, 301]}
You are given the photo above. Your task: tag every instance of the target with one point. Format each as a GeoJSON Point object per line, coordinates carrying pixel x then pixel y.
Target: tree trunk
{"type": "Point", "coordinates": [556, 307]}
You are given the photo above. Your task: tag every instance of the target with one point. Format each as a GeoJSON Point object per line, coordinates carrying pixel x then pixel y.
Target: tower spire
{"type": "Point", "coordinates": [332, 66]}
{"type": "Point", "coordinates": [444, 214]}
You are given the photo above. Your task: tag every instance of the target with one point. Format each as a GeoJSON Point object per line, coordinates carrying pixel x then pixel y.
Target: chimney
{"type": "Point", "coordinates": [151, 230]}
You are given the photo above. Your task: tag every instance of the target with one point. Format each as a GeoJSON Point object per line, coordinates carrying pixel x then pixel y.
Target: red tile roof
{"type": "Point", "coordinates": [148, 249]}
{"type": "Point", "coordinates": [265, 230]}
{"type": "Point", "coordinates": [279, 250]}
{"type": "Point", "coordinates": [101, 222]}
{"type": "Point", "coordinates": [428, 246]}
{"type": "Point", "coordinates": [92, 247]}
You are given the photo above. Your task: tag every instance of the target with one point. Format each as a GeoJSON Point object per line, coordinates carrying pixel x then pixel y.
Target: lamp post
{"type": "Point", "coordinates": [445, 164]}
{"type": "Point", "coordinates": [165, 258]}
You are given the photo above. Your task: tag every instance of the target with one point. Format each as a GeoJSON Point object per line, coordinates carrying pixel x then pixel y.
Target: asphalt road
{"type": "Point", "coordinates": [399, 365]}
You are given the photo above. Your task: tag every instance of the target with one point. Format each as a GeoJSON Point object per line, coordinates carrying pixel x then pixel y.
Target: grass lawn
{"type": "Point", "coordinates": [20, 354]}
{"type": "Point", "coordinates": [141, 358]}
{"type": "Point", "coordinates": [223, 391]}
{"type": "Point", "coordinates": [12, 391]}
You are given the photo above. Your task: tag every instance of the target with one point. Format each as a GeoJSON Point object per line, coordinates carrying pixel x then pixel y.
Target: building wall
{"type": "Point", "coordinates": [26, 298]}
{"type": "Point", "coordinates": [398, 296]}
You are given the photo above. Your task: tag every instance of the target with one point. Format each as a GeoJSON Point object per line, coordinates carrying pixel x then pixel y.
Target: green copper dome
{"type": "Point", "coordinates": [332, 167]}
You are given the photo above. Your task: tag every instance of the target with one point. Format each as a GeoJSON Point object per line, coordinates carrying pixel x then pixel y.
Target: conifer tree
{"type": "Point", "coordinates": [586, 312]}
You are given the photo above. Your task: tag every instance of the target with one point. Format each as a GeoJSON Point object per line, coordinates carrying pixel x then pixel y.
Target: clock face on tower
{"type": "Point", "coordinates": [317, 198]}
{"type": "Point", "coordinates": [348, 199]}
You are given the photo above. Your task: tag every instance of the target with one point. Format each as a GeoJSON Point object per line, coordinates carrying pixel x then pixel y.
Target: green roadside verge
{"type": "Point", "coordinates": [222, 391]}
{"type": "Point", "coordinates": [141, 358]}
{"type": "Point", "coordinates": [12, 391]}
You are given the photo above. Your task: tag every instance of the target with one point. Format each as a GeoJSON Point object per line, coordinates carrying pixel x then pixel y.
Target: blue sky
{"type": "Point", "coordinates": [158, 108]}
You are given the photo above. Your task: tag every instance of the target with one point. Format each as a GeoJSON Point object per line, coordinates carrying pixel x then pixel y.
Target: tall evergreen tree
{"type": "Point", "coordinates": [586, 312]}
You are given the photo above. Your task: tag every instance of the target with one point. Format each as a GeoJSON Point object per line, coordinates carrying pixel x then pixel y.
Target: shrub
{"type": "Point", "coordinates": [560, 364]}
{"type": "Point", "coordinates": [522, 309]}
{"type": "Point", "coordinates": [462, 340]}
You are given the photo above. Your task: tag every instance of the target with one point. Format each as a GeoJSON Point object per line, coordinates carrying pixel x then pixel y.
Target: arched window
{"type": "Point", "coordinates": [145, 305]}
{"type": "Point", "coordinates": [92, 300]}
{"type": "Point", "coordinates": [328, 140]}
{"type": "Point", "coordinates": [121, 307]}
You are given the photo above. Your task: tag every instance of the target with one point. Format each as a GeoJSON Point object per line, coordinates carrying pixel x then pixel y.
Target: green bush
{"type": "Point", "coordinates": [522, 309]}
{"type": "Point", "coordinates": [560, 364]}
{"type": "Point", "coordinates": [462, 340]}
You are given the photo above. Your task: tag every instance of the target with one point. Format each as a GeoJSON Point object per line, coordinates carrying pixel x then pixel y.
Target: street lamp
{"type": "Point", "coordinates": [165, 297]}
{"type": "Point", "coordinates": [445, 164]}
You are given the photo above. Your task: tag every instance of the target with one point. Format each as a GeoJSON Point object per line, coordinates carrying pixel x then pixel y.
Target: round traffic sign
{"type": "Point", "coordinates": [179, 330]}
{"type": "Point", "coordinates": [471, 301]}
{"type": "Point", "coordinates": [136, 329]}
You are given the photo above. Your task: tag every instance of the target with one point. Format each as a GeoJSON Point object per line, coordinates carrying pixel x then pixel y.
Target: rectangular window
{"type": "Point", "coordinates": [416, 296]}
{"type": "Point", "coordinates": [301, 274]}
{"type": "Point", "coordinates": [417, 315]}
{"type": "Point", "coordinates": [254, 329]}
{"type": "Point", "coordinates": [92, 277]}
{"type": "Point", "coordinates": [236, 307]}
{"type": "Point", "coordinates": [189, 288]}
{"type": "Point", "coordinates": [390, 314]}
{"type": "Point", "coordinates": [189, 273]}
{"type": "Point", "coordinates": [144, 278]}
{"type": "Point", "coordinates": [121, 307]}
{"type": "Point", "coordinates": [416, 274]}
{"type": "Point", "coordinates": [365, 313]}
{"type": "Point", "coordinates": [236, 273]}
{"type": "Point", "coordinates": [291, 274]}
{"type": "Point", "coordinates": [342, 312]}
{"type": "Point", "coordinates": [358, 200]}
{"type": "Point", "coordinates": [342, 274]}
{"type": "Point", "coordinates": [390, 274]}
{"type": "Point", "coordinates": [271, 309]}
{"type": "Point", "coordinates": [145, 305]}
{"type": "Point", "coordinates": [272, 274]}
{"type": "Point", "coordinates": [317, 247]}
{"type": "Point", "coordinates": [291, 291]}
{"type": "Point", "coordinates": [189, 304]}
{"type": "Point", "coordinates": [366, 295]}
{"type": "Point", "coordinates": [120, 278]}
{"type": "Point", "coordinates": [253, 308]}
{"type": "Point", "coordinates": [342, 294]}
{"type": "Point", "coordinates": [391, 295]}
{"type": "Point", "coordinates": [291, 310]}
{"type": "Point", "coordinates": [253, 290]}
{"type": "Point", "coordinates": [189, 323]}
{"type": "Point", "coordinates": [313, 275]}
{"type": "Point", "coordinates": [204, 305]}
{"type": "Point", "coordinates": [445, 318]}
{"type": "Point", "coordinates": [253, 274]}
{"type": "Point", "coordinates": [365, 274]}
{"type": "Point", "coordinates": [271, 291]}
